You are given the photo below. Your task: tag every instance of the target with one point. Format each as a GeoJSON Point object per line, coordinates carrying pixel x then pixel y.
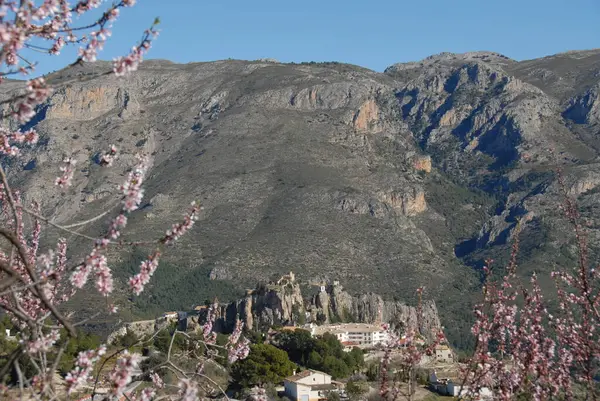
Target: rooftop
{"type": "Point", "coordinates": [348, 328]}
{"type": "Point", "coordinates": [303, 374]}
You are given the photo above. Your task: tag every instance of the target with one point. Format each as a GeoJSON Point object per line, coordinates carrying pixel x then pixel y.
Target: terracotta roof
{"type": "Point", "coordinates": [290, 328]}
{"type": "Point", "coordinates": [298, 376]}
{"type": "Point", "coordinates": [303, 374]}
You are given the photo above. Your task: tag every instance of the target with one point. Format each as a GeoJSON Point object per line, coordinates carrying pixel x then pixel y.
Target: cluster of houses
{"type": "Point", "coordinates": [312, 385]}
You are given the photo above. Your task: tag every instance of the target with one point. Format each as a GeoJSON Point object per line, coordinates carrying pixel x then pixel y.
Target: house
{"type": "Point", "coordinates": [443, 353]}
{"type": "Point", "coordinates": [417, 341]}
{"type": "Point", "coordinates": [362, 334]}
{"type": "Point", "coordinates": [310, 385]}
{"type": "Point", "coordinates": [349, 345]}
{"type": "Point", "coordinates": [170, 315]}
{"type": "Point", "coordinates": [453, 389]}
{"type": "Point", "coordinates": [438, 385]}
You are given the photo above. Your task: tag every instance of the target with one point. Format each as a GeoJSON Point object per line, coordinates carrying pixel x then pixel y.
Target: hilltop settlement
{"type": "Point", "coordinates": [311, 348]}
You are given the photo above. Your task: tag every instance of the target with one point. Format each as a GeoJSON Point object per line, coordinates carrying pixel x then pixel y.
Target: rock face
{"type": "Point", "coordinates": [282, 303]}
{"type": "Point", "coordinates": [140, 329]}
{"type": "Point", "coordinates": [383, 181]}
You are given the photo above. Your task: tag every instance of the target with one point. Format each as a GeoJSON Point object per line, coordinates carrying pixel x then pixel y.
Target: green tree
{"type": "Point", "coordinates": [315, 360]}
{"type": "Point", "coordinates": [312, 353]}
{"type": "Point", "coordinates": [75, 345]}
{"type": "Point", "coordinates": [372, 372]}
{"type": "Point", "coordinates": [358, 356]}
{"type": "Point", "coordinates": [336, 367]}
{"type": "Point", "coordinates": [162, 341]}
{"type": "Point", "coordinates": [254, 337]}
{"type": "Point", "coordinates": [298, 344]}
{"type": "Point", "coordinates": [265, 364]}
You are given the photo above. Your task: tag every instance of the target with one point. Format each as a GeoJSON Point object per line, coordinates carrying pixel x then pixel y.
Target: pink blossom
{"type": "Point", "coordinates": [83, 368]}
{"type": "Point", "coordinates": [156, 379]}
{"type": "Point", "coordinates": [179, 229]}
{"type": "Point", "coordinates": [44, 343]}
{"type": "Point", "coordinates": [146, 394]}
{"type": "Point", "coordinates": [109, 157]}
{"type": "Point", "coordinates": [188, 390]}
{"type": "Point", "coordinates": [37, 93]}
{"type": "Point", "coordinates": [132, 188]}
{"type": "Point", "coordinates": [121, 374]}
{"type": "Point", "coordinates": [117, 224]}
{"type": "Point", "coordinates": [68, 169]}
{"type": "Point", "coordinates": [147, 269]}
{"type": "Point", "coordinates": [207, 329]}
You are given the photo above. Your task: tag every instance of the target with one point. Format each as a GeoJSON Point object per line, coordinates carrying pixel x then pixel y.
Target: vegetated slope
{"type": "Point", "coordinates": [385, 181]}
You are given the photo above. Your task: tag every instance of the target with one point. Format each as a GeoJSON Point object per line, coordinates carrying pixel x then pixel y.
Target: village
{"type": "Point", "coordinates": [314, 385]}
{"type": "Point", "coordinates": [437, 374]}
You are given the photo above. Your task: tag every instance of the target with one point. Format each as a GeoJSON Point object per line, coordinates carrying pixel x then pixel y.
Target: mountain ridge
{"type": "Point", "coordinates": [384, 181]}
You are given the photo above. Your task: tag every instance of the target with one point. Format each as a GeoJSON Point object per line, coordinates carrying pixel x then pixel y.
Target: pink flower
{"type": "Point", "coordinates": [158, 382]}
{"type": "Point", "coordinates": [132, 188]}
{"type": "Point", "coordinates": [121, 374]}
{"type": "Point", "coordinates": [37, 93]}
{"type": "Point", "coordinates": [83, 368]}
{"type": "Point", "coordinates": [109, 157]}
{"type": "Point", "coordinates": [188, 390]}
{"type": "Point", "coordinates": [68, 169]}
{"type": "Point", "coordinates": [44, 343]}
{"type": "Point", "coordinates": [179, 229]}
{"type": "Point", "coordinates": [147, 269]}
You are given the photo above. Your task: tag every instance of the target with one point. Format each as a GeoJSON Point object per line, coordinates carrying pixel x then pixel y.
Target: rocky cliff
{"type": "Point", "coordinates": [282, 303]}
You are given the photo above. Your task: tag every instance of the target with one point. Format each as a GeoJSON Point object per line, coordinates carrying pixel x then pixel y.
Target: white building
{"type": "Point", "coordinates": [452, 389]}
{"type": "Point", "coordinates": [361, 335]}
{"type": "Point", "coordinates": [309, 385]}
{"type": "Point", "coordinates": [444, 354]}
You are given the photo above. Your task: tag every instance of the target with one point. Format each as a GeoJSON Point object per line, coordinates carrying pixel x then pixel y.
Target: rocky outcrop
{"type": "Point", "coordinates": [367, 116]}
{"type": "Point", "coordinates": [82, 103]}
{"type": "Point", "coordinates": [422, 163]}
{"type": "Point", "coordinates": [585, 108]}
{"type": "Point", "coordinates": [140, 329]}
{"type": "Point", "coordinates": [282, 303]}
{"type": "Point", "coordinates": [276, 303]}
{"type": "Point", "coordinates": [403, 202]}
{"type": "Point", "coordinates": [409, 202]}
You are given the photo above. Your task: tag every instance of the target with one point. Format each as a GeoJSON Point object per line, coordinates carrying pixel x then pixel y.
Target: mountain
{"type": "Point", "coordinates": [383, 181]}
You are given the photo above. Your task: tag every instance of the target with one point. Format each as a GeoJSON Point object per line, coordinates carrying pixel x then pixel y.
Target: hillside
{"type": "Point", "coordinates": [383, 181]}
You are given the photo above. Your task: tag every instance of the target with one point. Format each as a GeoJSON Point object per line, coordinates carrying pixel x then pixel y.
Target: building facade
{"type": "Point", "coordinates": [361, 335]}
{"type": "Point", "coordinates": [309, 385]}
{"type": "Point", "coordinates": [444, 354]}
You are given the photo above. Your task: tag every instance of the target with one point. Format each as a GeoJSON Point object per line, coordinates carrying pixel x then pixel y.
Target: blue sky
{"type": "Point", "coordinates": [370, 33]}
